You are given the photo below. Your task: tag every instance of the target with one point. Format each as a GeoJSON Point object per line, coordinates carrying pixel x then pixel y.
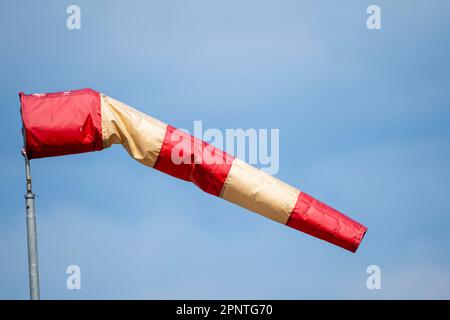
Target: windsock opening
{"type": "Point", "coordinates": [61, 123]}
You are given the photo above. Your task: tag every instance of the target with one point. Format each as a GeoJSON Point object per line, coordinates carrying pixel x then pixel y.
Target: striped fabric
{"type": "Point", "coordinates": [85, 120]}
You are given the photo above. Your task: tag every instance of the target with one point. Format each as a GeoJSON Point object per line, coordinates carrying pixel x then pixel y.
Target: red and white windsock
{"type": "Point", "coordinates": [77, 121]}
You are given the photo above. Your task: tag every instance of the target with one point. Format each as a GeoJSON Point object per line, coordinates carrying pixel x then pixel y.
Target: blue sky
{"type": "Point", "coordinates": [364, 125]}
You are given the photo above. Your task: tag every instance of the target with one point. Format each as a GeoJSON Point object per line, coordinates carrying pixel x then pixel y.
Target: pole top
{"type": "Point", "coordinates": [23, 151]}
{"type": "Point", "coordinates": [27, 170]}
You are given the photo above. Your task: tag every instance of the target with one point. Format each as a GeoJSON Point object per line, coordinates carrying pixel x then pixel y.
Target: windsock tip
{"type": "Point", "coordinates": [361, 233]}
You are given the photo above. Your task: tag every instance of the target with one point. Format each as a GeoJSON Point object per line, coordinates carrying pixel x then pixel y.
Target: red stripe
{"type": "Point", "coordinates": [188, 158]}
{"type": "Point", "coordinates": [61, 123]}
{"type": "Point", "coordinates": [319, 220]}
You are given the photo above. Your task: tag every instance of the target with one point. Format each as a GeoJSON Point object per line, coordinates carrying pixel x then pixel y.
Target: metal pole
{"type": "Point", "coordinates": [31, 234]}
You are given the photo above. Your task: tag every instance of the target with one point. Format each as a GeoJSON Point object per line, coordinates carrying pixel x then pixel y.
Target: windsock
{"type": "Point", "coordinates": [62, 123]}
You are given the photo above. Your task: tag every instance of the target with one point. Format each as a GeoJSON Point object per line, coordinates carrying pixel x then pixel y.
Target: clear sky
{"type": "Point", "coordinates": [364, 120]}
